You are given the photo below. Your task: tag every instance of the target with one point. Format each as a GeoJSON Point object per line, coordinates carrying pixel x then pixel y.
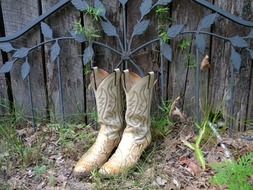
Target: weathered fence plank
{"type": "Point", "coordinates": [182, 69]}
{"type": "Point", "coordinates": [3, 92]}
{"type": "Point", "coordinates": [104, 58]}
{"type": "Point", "coordinates": [147, 58]}
{"type": "Point", "coordinates": [220, 72]}
{"type": "Point", "coordinates": [16, 15]}
{"type": "Point", "coordinates": [71, 65]}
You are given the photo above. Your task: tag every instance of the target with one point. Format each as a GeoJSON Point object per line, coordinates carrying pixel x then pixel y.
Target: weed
{"type": "Point", "coordinates": [89, 32]}
{"type": "Point", "coordinates": [185, 44]}
{"type": "Point", "coordinates": [94, 13]}
{"type": "Point", "coordinates": [196, 146]}
{"type": "Point", "coordinates": [162, 13]}
{"type": "Point", "coordinates": [39, 171]}
{"type": "Point", "coordinates": [161, 123]}
{"type": "Point", "coordinates": [164, 37]}
{"type": "Point", "coordinates": [234, 174]}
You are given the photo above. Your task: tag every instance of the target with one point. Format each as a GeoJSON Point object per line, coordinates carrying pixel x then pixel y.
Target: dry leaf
{"type": "Point", "coordinates": [205, 65]}
{"type": "Point", "coordinates": [176, 113]}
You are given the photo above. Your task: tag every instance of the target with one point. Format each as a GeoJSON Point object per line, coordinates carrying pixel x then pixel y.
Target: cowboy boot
{"type": "Point", "coordinates": [137, 135]}
{"type": "Point", "coordinates": [107, 90]}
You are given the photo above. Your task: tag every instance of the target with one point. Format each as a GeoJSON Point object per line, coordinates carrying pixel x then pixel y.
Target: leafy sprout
{"type": "Point", "coordinates": [162, 12]}
{"type": "Point", "coordinates": [164, 37]}
{"type": "Point", "coordinates": [184, 44]}
{"type": "Point", "coordinates": [94, 13]}
{"type": "Point", "coordinates": [88, 31]}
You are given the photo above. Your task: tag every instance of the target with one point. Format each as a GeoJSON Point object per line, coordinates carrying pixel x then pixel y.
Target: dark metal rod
{"type": "Point", "coordinates": [162, 74]}
{"type": "Point", "coordinates": [108, 47]}
{"type": "Point", "coordinates": [118, 65]}
{"type": "Point", "coordinates": [204, 32]}
{"type": "Point", "coordinates": [137, 67]}
{"type": "Point", "coordinates": [226, 14]}
{"type": "Point", "coordinates": [232, 100]}
{"type": "Point", "coordinates": [31, 102]}
{"type": "Point", "coordinates": [29, 26]}
{"type": "Point", "coordinates": [197, 88]}
{"type": "Point", "coordinates": [125, 66]}
{"type": "Point", "coordinates": [61, 88]}
{"type": "Point", "coordinates": [144, 45]}
{"type": "Point", "coordinates": [72, 38]}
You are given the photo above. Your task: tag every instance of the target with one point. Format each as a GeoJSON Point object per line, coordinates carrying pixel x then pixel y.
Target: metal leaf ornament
{"type": "Point", "coordinates": [21, 53]}
{"type": "Point", "coordinates": [88, 55]}
{"type": "Point", "coordinates": [238, 41]}
{"type": "Point", "coordinates": [7, 67]}
{"type": "Point", "coordinates": [108, 28]}
{"type": "Point", "coordinates": [55, 51]}
{"type": "Point", "coordinates": [7, 47]}
{"type": "Point", "coordinates": [166, 51]}
{"type": "Point", "coordinates": [141, 27]}
{"type": "Point", "coordinates": [25, 69]}
{"type": "Point", "coordinates": [236, 59]}
{"type": "Point", "coordinates": [163, 2]}
{"type": "Point", "coordinates": [174, 30]}
{"type": "Point", "coordinates": [201, 43]}
{"type": "Point", "coordinates": [100, 6]}
{"type": "Point", "coordinates": [207, 21]}
{"type": "Point", "coordinates": [80, 5]}
{"type": "Point", "coordinates": [250, 34]}
{"type": "Point", "coordinates": [78, 37]}
{"type": "Point", "coordinates": [251, 53]}
{"type": "Point", "coordinates": [123, 2]}
{"type": "Point", "coordinates": [145, 7]}
{"type": "Point", "coordinates": [46, 31]}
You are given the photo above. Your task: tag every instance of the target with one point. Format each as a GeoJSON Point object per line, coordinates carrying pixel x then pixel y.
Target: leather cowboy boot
{"type": "Point", "coordinates": [136, 136]}
{"type": "Point", "coordinates": [107, 90]}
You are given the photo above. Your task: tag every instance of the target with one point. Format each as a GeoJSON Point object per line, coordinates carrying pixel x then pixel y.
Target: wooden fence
{"type": "Point", "coordinates": [179, 74]}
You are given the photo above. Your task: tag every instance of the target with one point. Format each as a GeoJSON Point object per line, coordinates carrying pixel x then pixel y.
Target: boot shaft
{"type": "Point", "coordinates": [108, 96]}
{"type": "Point", "coordinates": [139, 92]}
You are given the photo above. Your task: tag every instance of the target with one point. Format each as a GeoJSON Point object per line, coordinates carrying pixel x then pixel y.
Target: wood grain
{"type": "Point", "coordinates": [16, 15]}
{"type": "Point", "coordinates": [220, 72]}
{"type": "Point", "coordinates": [62, 23]}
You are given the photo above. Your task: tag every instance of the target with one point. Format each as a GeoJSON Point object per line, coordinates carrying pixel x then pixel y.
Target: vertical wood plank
{"type": "Point", "coordinates": [182, 69]}
{"type": "Point", "coordinates": [219, 76]}
{"type": "Point", "coordinates": [4, 104]}
{"type": "Point", "coordinates": [16, 15]}
{"type": "Point", "coordinates": [148, 58]}
{"type": "Point", "coordinates": [62, 23]}
{"type": "Point", "coordinates": [104, 58]}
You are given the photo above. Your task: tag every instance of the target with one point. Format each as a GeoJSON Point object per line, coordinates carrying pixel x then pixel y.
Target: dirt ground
{"type": "Point", "coordinates": [45, 159]}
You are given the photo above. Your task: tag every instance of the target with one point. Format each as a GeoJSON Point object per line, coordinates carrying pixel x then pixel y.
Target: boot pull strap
{"type": "Point", "coordinates": [117, 76]}
{"type": "Point", "coordinates": [95, 71]}
{"type": "Point", "coordinates": [151, 80]}
{"type": "Point", "coordinates": [125, 78]}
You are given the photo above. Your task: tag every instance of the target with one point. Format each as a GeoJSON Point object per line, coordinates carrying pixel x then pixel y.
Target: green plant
{"type": "Point", "coordinates": [52, 180]}
{"type": "Point", "coordinates": [162, 13]}
{"type": "Point", "coordinates": [196, 146]}
{"type": "Point", "coordinates": [90, 32]}
{"type": "Point", "coordinates": [39, 171]}
{"type": "Point", "coordinates": [94, 13]}
{"type": "Point", "coordinates": [184, 44]}
{"type": "Point", "coordinates": [233, 174]}
{"type": "Point", "coordinates": [161, 123]}
{"type": "Point", "coordinates": [164, 37]}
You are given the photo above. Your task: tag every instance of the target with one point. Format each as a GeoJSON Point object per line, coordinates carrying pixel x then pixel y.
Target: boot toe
{"type": "Point", "coordinates": [108, 169]}
{"type": "Point", "coordinates": [82, 171]}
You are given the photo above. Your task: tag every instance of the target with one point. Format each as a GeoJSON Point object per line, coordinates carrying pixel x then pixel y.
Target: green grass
{"type": "Point", "coordinates": [161, 122]}
{"type": "Point", "coordinates": [234, 175]}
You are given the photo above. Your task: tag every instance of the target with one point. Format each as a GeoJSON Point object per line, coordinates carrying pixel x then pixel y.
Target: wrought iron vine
{"type": "Point", "coordinates": [126, 51]}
